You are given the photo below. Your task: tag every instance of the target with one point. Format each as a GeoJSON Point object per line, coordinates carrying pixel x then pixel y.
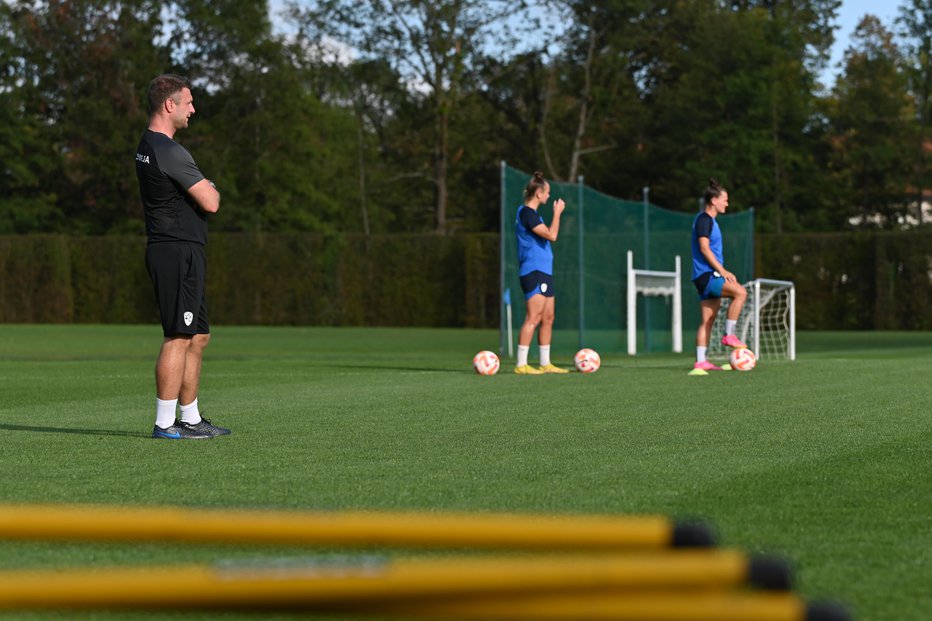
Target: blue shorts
{"type": "Point", "coordinates": [709, 285]}
{"type": "Point", "coordinates": [536, 283]}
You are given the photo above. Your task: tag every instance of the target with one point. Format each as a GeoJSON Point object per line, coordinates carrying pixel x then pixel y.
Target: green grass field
{"type": "Point", "coordinates": [825, 460]}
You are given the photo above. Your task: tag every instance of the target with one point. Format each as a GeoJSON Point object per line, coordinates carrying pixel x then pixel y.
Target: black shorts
{"type": "Point", "coordinates": [178, 271]}
{"type": "Point", "coordinates": [537, 282]}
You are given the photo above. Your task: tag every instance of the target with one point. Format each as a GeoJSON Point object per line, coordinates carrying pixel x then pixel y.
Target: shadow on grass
{"type": "Point", "coordinates": [395, 367]}
{"type": "Point", "coordinates": [85, 432]}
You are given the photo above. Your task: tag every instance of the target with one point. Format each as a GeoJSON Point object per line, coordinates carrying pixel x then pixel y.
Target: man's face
{"type": "Point", "coordinates": [182, 107]}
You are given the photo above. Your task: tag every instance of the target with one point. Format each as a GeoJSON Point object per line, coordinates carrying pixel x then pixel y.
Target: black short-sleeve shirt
{"type": "Point", "coordinates": [165, 171]}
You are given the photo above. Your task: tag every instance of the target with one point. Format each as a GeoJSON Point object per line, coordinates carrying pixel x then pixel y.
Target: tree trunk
{"type": "Point", "coordinates": [440, 168]}
{"type": "Point", "coordinates": [584, 106]}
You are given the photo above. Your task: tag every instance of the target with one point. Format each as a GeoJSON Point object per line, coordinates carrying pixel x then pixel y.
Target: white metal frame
{"type": "Point", "coordinates": [673, 289]}
{"type": "Point", "coordinates": [791, 337]}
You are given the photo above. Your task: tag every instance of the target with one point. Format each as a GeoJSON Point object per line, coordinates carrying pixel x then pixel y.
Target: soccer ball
{"type": "Point", "coordinates": [486, 363]}
{"type": "Point", "coordinates": [587, 361]}
{"type": "Point", "coordinates": [742, 359]}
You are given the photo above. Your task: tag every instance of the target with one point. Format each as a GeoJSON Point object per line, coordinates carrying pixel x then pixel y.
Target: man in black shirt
{"type": "Point", "coordinates": [176, 199]}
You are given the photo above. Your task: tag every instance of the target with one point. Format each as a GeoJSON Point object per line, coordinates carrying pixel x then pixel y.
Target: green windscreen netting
{"type": "Point", "coordinates": [590, 266]}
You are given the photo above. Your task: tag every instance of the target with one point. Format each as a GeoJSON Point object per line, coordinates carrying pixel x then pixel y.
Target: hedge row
{"type": "Point", "coordinates": [854, 281]}
{"type": "Point", "coordinates": [400, 280]}
{"type": "Point", "coordinates": [844, 281]}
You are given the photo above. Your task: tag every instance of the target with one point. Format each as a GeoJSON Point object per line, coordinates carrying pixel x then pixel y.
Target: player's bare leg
{"type": "Point", "coordinates": [169, 377]}
{"type": "Point", "coordinates": [170, 367]}
{"type": "Point", "coordinates": [738, 295]}
{"type": "Point", "coordinates": [545, 333]}
{"type": "Point", "coordinates": [708, 310]}
{"type": "Point", "coordinates": [534, 316]}
{"type": "Point", "coordinates": [191, 378]}
{"type": "Point", "coordinates": [545, 336]}
{"type": "Point", "coordinates": [191, 418]}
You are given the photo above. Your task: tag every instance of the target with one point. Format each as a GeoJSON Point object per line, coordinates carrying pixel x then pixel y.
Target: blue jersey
{"type": "Point", "coordinates": [534, 252]}
{"type": "Point", "coordinates": [705, 226]}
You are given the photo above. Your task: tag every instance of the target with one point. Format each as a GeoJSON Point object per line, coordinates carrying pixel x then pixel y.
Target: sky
{"type": "Point", "coordinates": [849, 14]}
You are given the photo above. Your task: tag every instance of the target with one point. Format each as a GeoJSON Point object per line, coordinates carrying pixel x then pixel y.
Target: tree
{"type": "Point", "coordinates": [80, 69]}
{"type": "Point", "coordinates": [25, 204]}
{"type": "Point", "coordinates": [730, 91]}
{"type": "Point", "coordinates": [872, 121]}
{"type": "Point", "coordinates": [590, 102]}
{"type": "Point", "coordinates": [915, 23]}
{"type": "Point", "coordinates": [282, 158]}
{"type": "Point", "coordinates": [431, 45]}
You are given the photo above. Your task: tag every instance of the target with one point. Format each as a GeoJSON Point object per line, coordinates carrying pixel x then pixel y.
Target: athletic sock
{"type": "Point", "coordinates": [190, 414]}
{"type": "Point", "coordinates": [544, 355]}
{"type": "Point", "coordinates": [700, 353]}
{"type": "Point", "coordinates": [730, 326]}
{"type": "Point", "coordinates": [522, 355]}
{"type": "Point", "coordinates": [165, 412]}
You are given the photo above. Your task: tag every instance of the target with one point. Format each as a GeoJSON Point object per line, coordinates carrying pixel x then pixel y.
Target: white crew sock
{"type": "Point", "coordinates": [544, 355]}
{"type": "Point", "coordinates": [165, 412]}
{"type": "Point", "coordinates": [522, 355]}
{"type": "Point", "coordinates": [190, 413]}
{"type": "Point", "coordinates": [700, 353]}
{"type": "Point", "coordinates": [730, 326]}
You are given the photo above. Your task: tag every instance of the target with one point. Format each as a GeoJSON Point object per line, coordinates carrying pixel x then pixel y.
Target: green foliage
{"type": "Point", "coordinates": [854, 281]}
{"type": "Point", "coordinates": [872, 125]}
{"type": "Point", "coordinates": [380, 117]}
{"type": "Point", "coordinates": [915, 28]}
{"type": "Point", "coordinates": [81, 68]}
{"type": "Point", "coordinates": [429, 280]}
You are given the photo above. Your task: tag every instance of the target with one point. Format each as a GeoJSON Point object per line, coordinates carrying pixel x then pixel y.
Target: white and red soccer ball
{"type": "Point", "coordinates": [587, 360]}
{"type": "Point", "coordinates": [742, 359]}
{"type": "Point", "coordinates": [486, 363]}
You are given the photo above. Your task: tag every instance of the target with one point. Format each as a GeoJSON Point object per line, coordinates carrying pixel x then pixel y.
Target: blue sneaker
{"type": "Point", "coordinates": [205, 426]}
{"type": "Point", "coordinates": [178, 432]}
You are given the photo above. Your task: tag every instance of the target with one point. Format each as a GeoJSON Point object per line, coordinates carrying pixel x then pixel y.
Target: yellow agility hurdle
{"type": "Point", "coordinates": [375, 584]}
{"type": "Point", "coordinates": [664, 606]}
{"type": "Point", "coordinates": [532, 532]}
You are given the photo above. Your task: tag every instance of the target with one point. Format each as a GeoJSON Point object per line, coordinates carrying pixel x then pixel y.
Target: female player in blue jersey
{"type": "Point", "coordinates": [535, 267]}
{"type": "Point", "coordinates": [711, 278]}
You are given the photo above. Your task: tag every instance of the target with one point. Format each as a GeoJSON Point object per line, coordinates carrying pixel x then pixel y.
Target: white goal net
{"type": "Point", "coordinates": [767, 322]}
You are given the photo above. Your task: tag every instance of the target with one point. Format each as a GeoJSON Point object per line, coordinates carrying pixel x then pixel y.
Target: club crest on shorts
{"type": "Point", "coordinates": [543, 287]}
{"type": "Point", "coordinates": [188, 318]}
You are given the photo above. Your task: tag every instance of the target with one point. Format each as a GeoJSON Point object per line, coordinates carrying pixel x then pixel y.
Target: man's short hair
{"type": "Point", "coordinates": [163, 87]}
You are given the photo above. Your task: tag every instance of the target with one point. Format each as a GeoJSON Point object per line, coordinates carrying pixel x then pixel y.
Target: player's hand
{"type": "Point", "coordinates": [728, 276]}
{"type": "Point", "coordinates": [558, 206]}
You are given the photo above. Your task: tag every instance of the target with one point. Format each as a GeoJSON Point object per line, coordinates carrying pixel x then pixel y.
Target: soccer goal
{"type": "Point", "coordinates": [654, 283]}
{"type": "Point", "coordinates": [767, 322]}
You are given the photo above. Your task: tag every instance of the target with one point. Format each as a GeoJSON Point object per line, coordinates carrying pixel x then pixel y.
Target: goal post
{"type": "Point", "coordinates": [654, 283]}
{"type": "Point", "coordinates": [767, 322]}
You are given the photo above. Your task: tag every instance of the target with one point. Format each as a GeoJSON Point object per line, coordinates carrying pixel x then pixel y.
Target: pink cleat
{"type": "Point", "coordinates": [705, 365]}
{"type": "Point", "coordinates": [730, 340]}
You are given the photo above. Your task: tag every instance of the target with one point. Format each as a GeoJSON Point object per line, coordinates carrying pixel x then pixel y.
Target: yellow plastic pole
{"type": "Point", "coordinates": [211, 526]}
{"type": "Point", "coordinates": [663, 606]}
{"type": "Point", "coordinates": [371, 585]}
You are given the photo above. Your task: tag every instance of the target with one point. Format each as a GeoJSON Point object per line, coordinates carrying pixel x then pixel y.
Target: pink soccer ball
{"type": "Point", "coordinates": [587, 360]}
{"type": "Point", "coordinates": [742, 359]}
{"type": "Point", "coordinates": [486, 363]}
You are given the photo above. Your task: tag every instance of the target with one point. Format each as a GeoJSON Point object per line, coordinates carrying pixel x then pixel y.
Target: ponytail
{"type": "Point", "coordinates": [537, 182]}
{"type": "Point", "coordinates": [714, 190]}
